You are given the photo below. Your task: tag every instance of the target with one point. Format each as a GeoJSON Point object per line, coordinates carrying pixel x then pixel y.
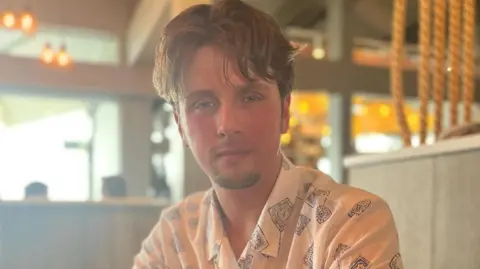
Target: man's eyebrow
{"type": "Point", "coordinates": [199, 94]}
{"type": "Point", "coordinates": [251, 85]}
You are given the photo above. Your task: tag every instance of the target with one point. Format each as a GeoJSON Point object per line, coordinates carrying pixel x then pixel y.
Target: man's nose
{"type": "Point", "coordinates": [228, 120]}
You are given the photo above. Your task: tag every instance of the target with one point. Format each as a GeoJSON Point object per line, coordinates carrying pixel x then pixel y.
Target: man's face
{"type": "Point", "coordinates": [232, 125]}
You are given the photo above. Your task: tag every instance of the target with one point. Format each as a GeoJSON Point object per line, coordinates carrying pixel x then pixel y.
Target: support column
{"type": "Point", "coordinates": [338, 29]}
{"type": "Point", "coordinates": [340, 121]}
{"type": "Point", "coordinates": [339, 48]}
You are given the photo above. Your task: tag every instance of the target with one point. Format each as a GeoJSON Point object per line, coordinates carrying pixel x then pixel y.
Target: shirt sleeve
{"type": "Point", "coordinates": [367, 239]}
{"type": "Point", "coordinates": [155, 252]}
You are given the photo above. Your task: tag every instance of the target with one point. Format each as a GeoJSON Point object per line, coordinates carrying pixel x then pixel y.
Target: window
{"type": "Point", "coordinates": [48, 148]}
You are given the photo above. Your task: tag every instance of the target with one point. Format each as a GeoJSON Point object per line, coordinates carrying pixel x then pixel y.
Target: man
{"type": "Point", "coordinates": [228, 71]}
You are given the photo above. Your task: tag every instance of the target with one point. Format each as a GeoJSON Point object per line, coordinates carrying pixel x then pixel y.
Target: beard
{"type": "Point", "coordinates": [235, 183]}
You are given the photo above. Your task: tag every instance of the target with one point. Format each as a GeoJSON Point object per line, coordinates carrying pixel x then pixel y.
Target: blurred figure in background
{"type": "Point", "coordinates": [114, 187]}
{"type": "Point", "coordinates": [36, 191]}
{"type": "Point", "coordinates": [159, 184]}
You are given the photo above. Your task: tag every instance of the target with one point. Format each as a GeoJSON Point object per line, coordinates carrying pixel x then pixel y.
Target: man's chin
{"type": "Point", "coordinates": [236, 182]}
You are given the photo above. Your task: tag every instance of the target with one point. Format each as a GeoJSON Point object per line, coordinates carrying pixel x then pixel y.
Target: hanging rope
{"type": "Point", "coordinates": [396, 69]}
{"type": "Point", "coordinates": [454, 59]}
{"type": "Point", "coordinates": [439, 71]}
{"type": "Point", "coordinates": [468, 58]}
{"type": "Point", "coordinates": [424, 71]}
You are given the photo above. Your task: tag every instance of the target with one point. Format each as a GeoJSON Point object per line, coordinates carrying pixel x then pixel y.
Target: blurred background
{"type": "Point", "coordinates": [80, 120]}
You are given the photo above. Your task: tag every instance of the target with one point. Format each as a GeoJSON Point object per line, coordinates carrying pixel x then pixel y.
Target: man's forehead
{"type": "Point", "coordinates": [208, 68]}
{"type": "Point", "coordinates": [212, 69]}
{"type": "Point", "coordinates": [237, 88]}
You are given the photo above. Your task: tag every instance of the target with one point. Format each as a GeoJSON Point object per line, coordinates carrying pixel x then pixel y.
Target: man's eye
{"type": "Point", "coordinates": [203, 105]}
{"type": "Point", "coordinates": [252, 98]}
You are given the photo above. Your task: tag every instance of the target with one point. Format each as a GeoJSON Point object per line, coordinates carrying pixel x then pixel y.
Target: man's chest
{"type": "Point", "coordinates": [300, 255]}
{"type": "Point", "coordinates": [263, 249]}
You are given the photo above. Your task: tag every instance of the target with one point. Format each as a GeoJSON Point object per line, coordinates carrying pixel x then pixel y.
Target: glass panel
{"type": "Point", "coordinates": [308, 135]}
{"type": "Point", "coordinates": [375, 127]}
{"type": "Point", "coordinates": [44, 140]}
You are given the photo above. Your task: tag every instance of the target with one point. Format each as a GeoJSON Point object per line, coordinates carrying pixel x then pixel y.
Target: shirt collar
{"type": "Point", "coordinates": [214, 228]}
{"type": "Point", "coordinates": [273, 219]}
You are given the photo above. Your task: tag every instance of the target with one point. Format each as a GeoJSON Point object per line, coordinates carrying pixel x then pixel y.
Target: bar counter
{"type": "Point", "coordinates": [60, 235]}
{"type": "Point", "coordinates": [433, 192]}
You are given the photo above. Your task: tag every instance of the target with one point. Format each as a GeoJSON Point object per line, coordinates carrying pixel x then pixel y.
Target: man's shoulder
{"type": "Point", "coordinates": [340, 198]}
{"type": "Point", "coordinates": [190, 204]}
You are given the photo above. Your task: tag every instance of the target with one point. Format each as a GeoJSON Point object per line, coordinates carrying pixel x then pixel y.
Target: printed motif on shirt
{"type": "Point", "coordinates": [395, 262]}
{"type": "Point", "coordinates": [258, 241]}
{"type": "Point", "coordinates": [359, 208]}
{"type": "Point", "coordinates": [302, 224]}
{"type": "Point", "coordinates": [308, 258]}
{"type": "Point", "coordinates": [245, 263]}
{"type": "Point", "coordinates": [280, 213]}
{"type": "Point", "coordinates": [360, 263]}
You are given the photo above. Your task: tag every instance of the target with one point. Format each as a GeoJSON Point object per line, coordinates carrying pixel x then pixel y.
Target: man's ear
{"type": "Point", "coordinates": [180, 126]}
{"type": "Point", "coordinates": [286, 113]}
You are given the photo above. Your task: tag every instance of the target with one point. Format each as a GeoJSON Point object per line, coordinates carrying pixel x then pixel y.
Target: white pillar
{"type": "Point", "coordinates": [106, 149]}
{"type": "Point", "coordinates": [122, 144]}
{"type": "Point", "coordinates": [136, 116]}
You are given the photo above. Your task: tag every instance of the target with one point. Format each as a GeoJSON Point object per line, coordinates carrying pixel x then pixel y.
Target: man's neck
{"type": "Point", "coordinates": [242, 208]}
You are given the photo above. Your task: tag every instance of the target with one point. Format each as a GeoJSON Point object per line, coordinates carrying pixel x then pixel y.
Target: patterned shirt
{"type": "Point", "coordinates": [336, 227]}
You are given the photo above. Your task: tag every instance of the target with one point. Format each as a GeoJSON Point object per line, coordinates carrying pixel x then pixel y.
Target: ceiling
{"type": "Point", "coordinates": [371, 18]}
{"type": "Point", "coordinates": [370, 24]}
{"type": "Point", "coordinates": [368, 19]}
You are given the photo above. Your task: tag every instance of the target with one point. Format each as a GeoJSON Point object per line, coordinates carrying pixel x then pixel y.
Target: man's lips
{"type": "Point", "coordinates": [232, 153]}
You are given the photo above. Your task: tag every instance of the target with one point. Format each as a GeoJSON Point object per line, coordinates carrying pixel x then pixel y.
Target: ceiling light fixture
{"type": "Point", "coordinates": [59, 58]}
{"type": "Point", "coordinates": [8, 19]}
{"type": "Point", "coordinates": [63, 58]}
{"type": "Point", "coordinates": [25, 21]}
{"type": "Point", "coordinates": [48, 54]}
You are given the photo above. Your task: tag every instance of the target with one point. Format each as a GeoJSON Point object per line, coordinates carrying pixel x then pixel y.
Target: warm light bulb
{"type": "Point", "coordinates": [318, 53]}
{"type": "Point", "coordinates": [27, 22]}
{"type": "Point", "coordinates": [384, 111]}
{"type": "Point", "coordinates": [8, 19]}
{"type": "Point", "coordinates": [63, 58]}
{"type": "Point", "coordinates": [304, 107]}
{"type": "Point", "coordinates": [48, 55]}
{"type": "Point", "coordinates": [285, 139]}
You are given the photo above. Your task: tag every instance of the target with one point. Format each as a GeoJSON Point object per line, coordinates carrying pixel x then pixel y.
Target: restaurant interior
{"type": "Point", "coordinates": [386, 98]}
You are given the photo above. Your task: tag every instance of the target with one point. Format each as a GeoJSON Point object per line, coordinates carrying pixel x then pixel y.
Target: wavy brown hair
{"type": "Point", "coordinates": [248, 36]}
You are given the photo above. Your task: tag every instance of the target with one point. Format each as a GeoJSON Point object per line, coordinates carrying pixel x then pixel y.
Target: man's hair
{"type": "Point", "coordinates": [36, 189]}
{"type": "Point", "coordinates": [244, 34]}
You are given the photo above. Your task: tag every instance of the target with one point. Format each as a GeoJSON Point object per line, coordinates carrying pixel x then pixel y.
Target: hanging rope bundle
{"type": "Point", "coordinates": [455, 68]}
{"type": "Point", "coordinates": [396, 69]}
{"type": "Point", "coordinates": [454, 59]}
{"type": "Point", "coordinates": [468, 58]}
{"type": "Point", "coordinates": [424, 70]}
{"type": "Point", "coordinates": [439, 54]}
